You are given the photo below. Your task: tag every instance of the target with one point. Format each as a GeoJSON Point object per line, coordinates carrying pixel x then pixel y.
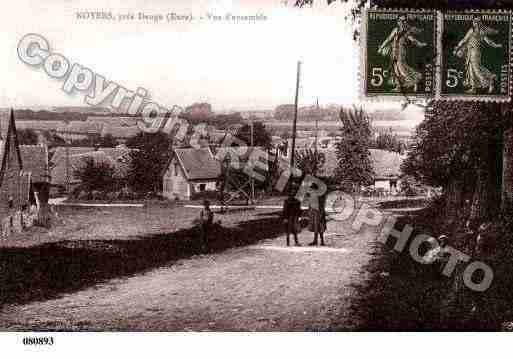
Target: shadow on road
{"type": "Point", "coordinates": [49, 270]}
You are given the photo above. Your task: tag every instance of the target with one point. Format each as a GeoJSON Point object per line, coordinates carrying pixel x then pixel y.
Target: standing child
{"type": "Point", "coordinates": [317, 220]}
{"type": "Point", "coordinates": [206, 220]}
{"type": "Point", "coordinates": [290, 215]}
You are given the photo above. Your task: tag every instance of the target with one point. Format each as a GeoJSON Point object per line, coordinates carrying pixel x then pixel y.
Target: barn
{"type": "Point", "coordinates": [19, 179]}
{"type": "Point", "coordinates": [387, 169]}
{"type": "Point", "coordinates": [65, 160]}
{"type": "Point", "coordinates": [35, 161]}
{"type": "Point", "coordinates": [190, 171]}
{"type": "Point", "coordinates": [385, 164]}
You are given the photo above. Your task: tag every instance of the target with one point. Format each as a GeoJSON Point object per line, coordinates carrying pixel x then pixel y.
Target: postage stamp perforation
{"type": "Point", "coordinates": [468, 57]}
{"type": "Point", "coordinates": [400, 95]}
{"type": "Point", "coordinates": [439, 50]}
{"type": "Point", "coordinates": [440, 95]}
{"type": "Point", "coordinates": [510, 53]}
{"type": "Point", "coordinates": [362, 40]}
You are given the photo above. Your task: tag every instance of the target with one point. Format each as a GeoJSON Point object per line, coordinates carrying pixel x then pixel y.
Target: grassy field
{"type": "Point", "coordinates": [90, 245]}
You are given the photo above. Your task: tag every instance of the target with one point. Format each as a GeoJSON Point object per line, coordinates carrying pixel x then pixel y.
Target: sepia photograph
{"type": "Point", "coordinates": [173, 167]}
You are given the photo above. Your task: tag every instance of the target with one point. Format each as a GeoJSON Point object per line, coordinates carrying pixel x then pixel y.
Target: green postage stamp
{"type": "Point", "coordinates": [474, 52]}
{"type": "Point", "coordinates": [398, 54]}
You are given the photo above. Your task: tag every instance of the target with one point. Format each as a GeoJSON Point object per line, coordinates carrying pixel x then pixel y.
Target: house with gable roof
{"type": "Point", "coordinates": [386, 166]}
{"type": "Point", "coordinates": [18, 203]}
{"type": "Point", "coordinates": [35, 162]}
{"type": "Point", "coordinates": [190, 171]}
{"type": "Point", "coordinates": [66, 160]}
{"type": "Point", "coordinates": [79, 130]}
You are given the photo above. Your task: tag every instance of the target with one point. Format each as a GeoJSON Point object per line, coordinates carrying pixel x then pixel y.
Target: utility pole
{"type": "Point", "coordinates": [317, 126]}
{"type": "Point", "coordinates": [252, 179]}
{"type": "Point", "coordinates": [68, 187]}
{"type": "Point", "coordinates": [294, 125]}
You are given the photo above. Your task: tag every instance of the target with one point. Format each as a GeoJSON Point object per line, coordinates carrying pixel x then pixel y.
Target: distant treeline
{"type": "Point", "coordinates": [44, 115]}
{"type": "Point", "coordinates": [220, 121]}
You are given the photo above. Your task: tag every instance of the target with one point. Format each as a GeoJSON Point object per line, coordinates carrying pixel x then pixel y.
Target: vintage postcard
{"type": "Point", "coordinates": [475, 56]}
{"type": "Point", "coordinates": [398, 54]}
{"type": "Point", "coordinates": [169, 167]}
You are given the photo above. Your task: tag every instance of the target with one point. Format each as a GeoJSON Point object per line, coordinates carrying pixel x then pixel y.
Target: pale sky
{"type": "Point", "coordinates": [230, 65]}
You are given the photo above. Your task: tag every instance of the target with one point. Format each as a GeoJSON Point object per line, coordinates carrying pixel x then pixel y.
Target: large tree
{"type": "Point", "coordinates": [460, 150]}
{"type": "Point", "coordinates": [27, 136]}
{"type": "Point", "coordinates": [310, 162]}
{"type": "Point", "coordinates": [94, 175]}
{"type": "Point", "coordinates": [153, 151]}
{"type": "Point", "coordinates": [388, 141]}
{"type": "Point", "coordinates": [261, 137]}
{"type": "Point", "coordinates": [354, 168]}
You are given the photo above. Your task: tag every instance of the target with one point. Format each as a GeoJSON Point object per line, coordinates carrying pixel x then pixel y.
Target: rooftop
{"type": "Point", "coordinates": [198, 163]}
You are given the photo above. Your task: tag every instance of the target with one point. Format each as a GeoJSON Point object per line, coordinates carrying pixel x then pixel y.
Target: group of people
{"type": "Point", "coordinates": [291, 214]}
{"type": "Point", "coordinates": [316, 219]}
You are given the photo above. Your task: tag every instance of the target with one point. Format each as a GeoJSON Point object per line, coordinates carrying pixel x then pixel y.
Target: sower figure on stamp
{"type": "Point", "coordinates": [317, 218]}
{"type": "Point", "coordinates": [206, 221]}
{"type": "Point", "coordinates": [477, 76]}
{"type": "Point", "coordinates": [290, 216]}
{"type": "Point", "coordinates": [395, 45]}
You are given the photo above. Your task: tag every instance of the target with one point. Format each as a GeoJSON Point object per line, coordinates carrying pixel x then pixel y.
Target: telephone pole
{"type": "Point", "coordinates": [252, 179]}
{"type": "Point", "coordinates": [68, 186]}
{"type": "Point", "coordinates": [317, 126]}
{"type": "Point", "coordinates": [294, 125]}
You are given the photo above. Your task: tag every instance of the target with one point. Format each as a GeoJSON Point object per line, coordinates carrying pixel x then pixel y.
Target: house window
{"type": "Point", "coordinates": [177, 169]}
{"type": "Point", "coordinates": [202, 187]}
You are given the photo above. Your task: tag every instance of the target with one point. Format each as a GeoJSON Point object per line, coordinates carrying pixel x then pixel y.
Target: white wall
{"type": "Point", "coordinates": [385, 184]}
{"type": "Point", "coordinates": [176, 186]}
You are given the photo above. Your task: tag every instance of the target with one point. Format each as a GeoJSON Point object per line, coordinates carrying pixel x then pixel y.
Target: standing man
{"type": "Point", "coordinates": [317, 220]}
{"type": "Point", "coordinates": [290, 216]}
{"type": "Point", "coordinates": [206, 220]}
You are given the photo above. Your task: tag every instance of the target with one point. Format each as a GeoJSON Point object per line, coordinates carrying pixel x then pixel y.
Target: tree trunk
{"type": "Point", "coordinates": [479, 198]}
{"type": "Point", "coordinates": [453, 199]}
{"type": "Point", "coordinates": [507, 169]}
{"type": "Point", "coordinates": [487, 196]}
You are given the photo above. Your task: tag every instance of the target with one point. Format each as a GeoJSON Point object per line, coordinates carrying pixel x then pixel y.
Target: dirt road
{"type": "Point", "coordinates": [264, 286]}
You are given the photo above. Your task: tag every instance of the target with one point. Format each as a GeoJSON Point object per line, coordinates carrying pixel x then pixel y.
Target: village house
{"type": "Point", "coordinates": [79, 130]}
{"type": "Point", "coordinates": [190, 171]}
{"type": "Point", "coordinates": [118, 121]}
{"type": "Point", "coordinates": [121, 128]}
{"type": "Point", "coordinates": [385, 164]}
{"type": "Point", "coordinates": [387, 170]}
{"type": "Point", "coordinates": [120, 133]}
{"type": "Point", "coordinates": [23, 183]}
{"type": "Point", "coordinates": [66, 160]}
{"type": "Point", "coordinates": [35, 161]}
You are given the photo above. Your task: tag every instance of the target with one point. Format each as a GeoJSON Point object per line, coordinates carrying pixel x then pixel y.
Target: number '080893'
{"type": "Point", "coordinates": [38, 341]}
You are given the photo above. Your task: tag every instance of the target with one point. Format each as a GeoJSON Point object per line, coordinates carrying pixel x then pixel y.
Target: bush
{"type": "Point", "coordinates": [410, 187]}
{"type": "Point", "coordinates": [147, 163]}
{"type": "Point", "coordinates": [95, 175]}
{"type": "Point", "coordinates": [95, 195]}
{"type": "Point", "coordinates": [111, 196]}
{"type": "Point", "coordinates": [212, 195]}
{"type": "Point", "coordinates": [83, 195]}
